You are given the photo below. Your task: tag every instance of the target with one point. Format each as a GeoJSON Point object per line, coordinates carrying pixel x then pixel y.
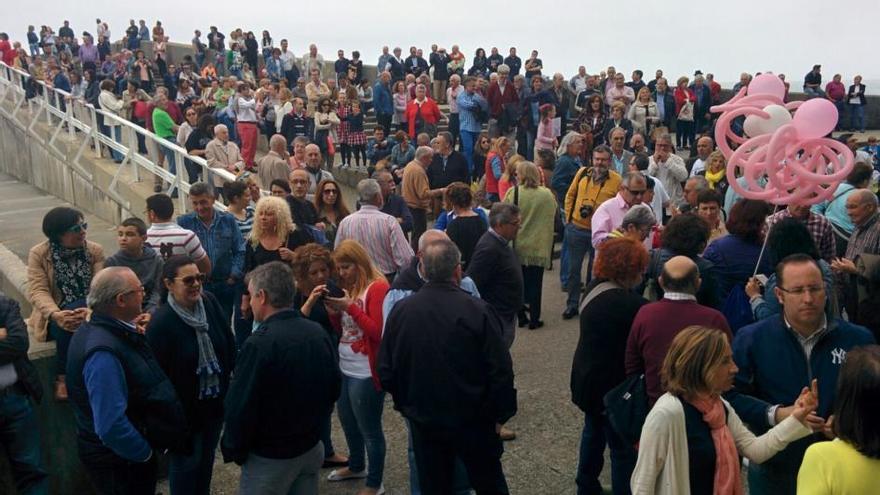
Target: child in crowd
{"type": "Point", "coordinates": [146, 263]}
{"type": "Point", "coordinates": [357, 139]}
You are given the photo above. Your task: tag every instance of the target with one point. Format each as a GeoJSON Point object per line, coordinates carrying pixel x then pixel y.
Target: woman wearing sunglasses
{"type": "Point", "coordinates": [330, 207]}
{"type": "Point", "coordinates": [193, 343]}
{"type": "Point", "coordinates": [60, 271]}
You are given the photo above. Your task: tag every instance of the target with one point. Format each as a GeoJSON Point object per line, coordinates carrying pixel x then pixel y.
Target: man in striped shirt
{"type": "Point", "coordinates": [380, 234]}
{"type": "Point", "coordinates": [170, 239]}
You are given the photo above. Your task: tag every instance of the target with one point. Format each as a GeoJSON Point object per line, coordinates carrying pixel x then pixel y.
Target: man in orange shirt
{"type": "Point", "coordinates": [417, 192]}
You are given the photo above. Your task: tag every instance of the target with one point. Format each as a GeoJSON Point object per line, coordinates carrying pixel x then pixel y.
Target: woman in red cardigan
{"type": "Point", "coordinates": [496, 164]}
{"type": "Point", "coordinates": [358, 317]}
{"type": "Point", "coordinates": [422, 114]}
{"type": "Point", "coordinates": [684, 123]}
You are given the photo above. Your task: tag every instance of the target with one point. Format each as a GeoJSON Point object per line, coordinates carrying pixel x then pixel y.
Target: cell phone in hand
{"type": "Point", "coordinates": [334, 290]}
{"type": "Point", "coordinates": [762, 279]}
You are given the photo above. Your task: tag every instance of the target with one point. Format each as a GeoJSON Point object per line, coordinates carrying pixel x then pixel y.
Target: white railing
{"type": "Point", "coordinates": [61, 113]}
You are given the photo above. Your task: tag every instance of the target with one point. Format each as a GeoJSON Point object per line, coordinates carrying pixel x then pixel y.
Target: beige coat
{"type": "Point", "coordinates": [42, 291]}
{"type": "Point", "coordinates": [271, 167]}
{"type": "Point", "coordinates": [219, 155]}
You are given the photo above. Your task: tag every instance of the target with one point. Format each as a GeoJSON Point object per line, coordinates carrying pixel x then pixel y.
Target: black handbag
{"type": "Point", "coordinates": [626, 407]}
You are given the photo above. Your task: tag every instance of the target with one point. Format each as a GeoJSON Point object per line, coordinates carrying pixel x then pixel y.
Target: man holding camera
{"type": "Point", "coordinates": [590, 188]}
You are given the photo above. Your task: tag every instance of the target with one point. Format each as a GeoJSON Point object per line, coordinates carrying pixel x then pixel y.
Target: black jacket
{"type": "Point", "coordinates": [286, 382]}
{"type": "Point", "coordinates": [439, 63]}
{"type": "Point", "coordinates": [669, 114]}
{"type": "Point", "coordinates": [496, 270]}
{"type": "Point", "coordinates": [456, 170]}
{"type": "Point", "coordinates": [177, 351]}
{"type": "Point", "coordinates": [14, 348]}
{"type": "Point", "coordinates": [597, 366]}
{"type": "Point", "coordinates": [443, 359]}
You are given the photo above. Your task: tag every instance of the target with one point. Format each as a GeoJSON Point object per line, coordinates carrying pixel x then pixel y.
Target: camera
{"type": "Point", "coordinates": [586, 211]}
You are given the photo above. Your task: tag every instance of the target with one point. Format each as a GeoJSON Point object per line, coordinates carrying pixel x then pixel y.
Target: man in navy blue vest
{"type": "Point", "coordinates": [124, 405]}
{"type": "Point", "coordinates": [778, 356]}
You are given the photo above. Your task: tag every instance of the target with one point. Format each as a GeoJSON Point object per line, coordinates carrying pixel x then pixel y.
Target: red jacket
{"type": "Point", "coordinates": [497, 99]}
{"type": "Point", "coordinates": [370, 322]}
{"type": "Point", "coordinates": [681, 95]}
{"type": "Point", "coordinates": [430, 114]}
{"type": "Point", "coordinates": [491, 181]}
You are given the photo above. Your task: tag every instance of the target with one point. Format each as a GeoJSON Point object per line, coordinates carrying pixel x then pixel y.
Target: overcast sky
{"type": "Point", "coordinates": [675, 35]}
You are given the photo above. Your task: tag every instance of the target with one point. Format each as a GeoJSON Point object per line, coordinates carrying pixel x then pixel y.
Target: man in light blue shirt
{"type": "Point", "coordinates": [834, 209]}
{"type": "Point", "coordinates": [470, 103]}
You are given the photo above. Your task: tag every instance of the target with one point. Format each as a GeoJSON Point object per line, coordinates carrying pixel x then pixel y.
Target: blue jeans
{"type": "Point", "coordinates": [840, 105]}
{"type": "Point", "coordinates": [814, 92]}
{"type": "Point", "coordinates": [169, 157]}
{"type": "Point", "coordinates": [20, 434]}
{"type": "Point", "coordinates": [596, 434]}
{"type": "Point", "coordinates": [857, 117]}
{"type": "Point", "coordinates": [461, 486]}
{"type": "Point", "coordinates": [117, 136]}
{"type": "Point", "coordinates": [578, 244]}
{"type": "Point", "coordinates": [468, 139]}
{"type": "Point", "coordinates": [191, 473]}
{"type": "Point", "coordinates": [360, 412]}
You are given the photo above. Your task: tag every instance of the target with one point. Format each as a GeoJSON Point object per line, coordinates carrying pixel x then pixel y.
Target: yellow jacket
{"type": "Point", "coordinates": [584, 191]}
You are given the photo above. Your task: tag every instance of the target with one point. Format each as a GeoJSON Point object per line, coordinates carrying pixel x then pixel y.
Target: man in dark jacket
{"type": "Point", "coordinates": [20, 430]}
{"type": "Point", "coordinates": [665, 103]}
{"type": "Point", "coordinates": [439, 60]}
{"type": "Point", "coordinates": [495, 269]}
{"type": "Point", "coordinates": [779, 356]}
{"type": "Point", "coordinates": [286, 382]}
{"type": "Point", "coordinates": [448, 165]}
{"type": "Point", "coordinates": [124, 405]}
{"type": "Point", "coordinates": [453, 380]}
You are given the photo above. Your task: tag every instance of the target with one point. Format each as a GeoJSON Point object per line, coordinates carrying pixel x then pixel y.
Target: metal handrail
{"type": "Point", "coordinates": [78, 115]}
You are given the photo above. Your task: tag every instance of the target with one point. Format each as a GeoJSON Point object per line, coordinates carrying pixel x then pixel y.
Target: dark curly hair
{"type": "Point", "coordinates": [686, 235]}
{"type": "Point", "coordinates": [459, 195]}
{"type": "Point", "coordinates": [303, 257]}
{"type": "Point", "coordinates": [747, 218]}
{"type": "Point", "coordinates": [620, 259]}
{"type": "Point", "coordinates": [790, 236]}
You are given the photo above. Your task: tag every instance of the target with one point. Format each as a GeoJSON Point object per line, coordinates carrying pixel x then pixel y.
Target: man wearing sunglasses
{"type": "Point", "coordinates": [609, 215]}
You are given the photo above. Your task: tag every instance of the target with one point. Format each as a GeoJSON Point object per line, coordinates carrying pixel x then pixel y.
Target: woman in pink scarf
{"type": "Point", "coordinates": [692, 439]}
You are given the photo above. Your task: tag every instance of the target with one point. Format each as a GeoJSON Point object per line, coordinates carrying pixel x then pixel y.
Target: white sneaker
{"type": "Point", "coordinates": [353, 475]}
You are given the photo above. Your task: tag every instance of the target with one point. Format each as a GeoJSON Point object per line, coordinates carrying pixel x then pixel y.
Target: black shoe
{"type": "Point", "coordinates": [522, 319]}
{"type": "Point", "coordinates": [536, 324]}
{"type": "Point", "coordinates": [569, 313]}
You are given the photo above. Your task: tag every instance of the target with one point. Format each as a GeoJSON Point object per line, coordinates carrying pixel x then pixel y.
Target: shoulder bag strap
{"type": "Point", "coordinates": [598, 290]}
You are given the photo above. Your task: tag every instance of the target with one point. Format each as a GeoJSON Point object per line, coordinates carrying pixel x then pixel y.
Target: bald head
{"type": "Point", "coordinates": [313, 156]}
{"type": "Point", "coordinates": [680, 274]}
{"type": "Point", "coordinates": [429, 237]}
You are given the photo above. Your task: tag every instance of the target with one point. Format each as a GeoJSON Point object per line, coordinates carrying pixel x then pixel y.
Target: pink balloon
{"type": "Point", "coordinates": [815, 118]}
{"type": "Point", "coordinates": [767, 84]}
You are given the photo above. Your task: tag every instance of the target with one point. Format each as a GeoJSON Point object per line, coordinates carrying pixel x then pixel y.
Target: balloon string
{"type": "Point", "coordinates": [764, 245]}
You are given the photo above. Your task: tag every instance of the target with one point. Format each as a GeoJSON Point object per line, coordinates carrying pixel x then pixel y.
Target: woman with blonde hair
{"type": "Point", "coordinates": [692, 438]}
{"type": "Point", "coordinates": [357, 315]}
{"type": "Point", "coordinates": [534, 242]}
{"type": "Point", "coordinates": [716, 172]}
{"type": "Point", "coordinates": [282, 107]}
{"type": "Point", "coordinates": [508, 178]}
{"type": "Point", "coordinates": [274, 236]}
{"type": "Point", "coordinates": [330, 207]}
{"type": "Point", "coordinates": [496, 165]}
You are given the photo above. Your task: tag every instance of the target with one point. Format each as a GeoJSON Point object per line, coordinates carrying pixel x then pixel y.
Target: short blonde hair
{"type": "Point", "coordinates": [527, 174]}
{"type": "Point", "coordinates": [713, 156]}
{"type": "Point", "coordinates": [691, 361]}
{"type": "Point", "coordinates": [283, 221]}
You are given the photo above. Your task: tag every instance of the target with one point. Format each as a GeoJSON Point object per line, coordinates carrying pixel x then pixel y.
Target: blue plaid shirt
{"type": "Point", "coordinates": [467, 105]}
{"type": "Point", "coordinates": [222, 241]}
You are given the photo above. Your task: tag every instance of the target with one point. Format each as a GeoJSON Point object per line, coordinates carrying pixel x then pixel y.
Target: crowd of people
{"type": "Point", "coordinates": [748, 328]}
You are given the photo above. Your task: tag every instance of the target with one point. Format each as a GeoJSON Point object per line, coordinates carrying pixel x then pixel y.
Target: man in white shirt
{"type": "Point", "coordinates": [696, 164]}
{"type": "Point", "coordinates": [668, 167]}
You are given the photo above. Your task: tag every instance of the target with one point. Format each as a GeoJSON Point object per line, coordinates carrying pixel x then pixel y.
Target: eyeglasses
{"type": "Point", "coordinates": [78, 228]}
{"type": "Point", "coordinates": [330, 191]}
{"type": "Point", "coordinates": [191, 280]}
{"type": "Point", "coordinates": [814, 290]}
{"type": "Point", "coordinates": [299, 181]}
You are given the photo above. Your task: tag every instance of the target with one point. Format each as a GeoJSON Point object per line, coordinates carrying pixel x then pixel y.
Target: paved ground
{"type": "Point", "coordinates": [541, 460]}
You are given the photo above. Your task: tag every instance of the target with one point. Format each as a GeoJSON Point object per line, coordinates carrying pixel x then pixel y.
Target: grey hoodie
{"type": "Point", "coordinates": [148, 268]}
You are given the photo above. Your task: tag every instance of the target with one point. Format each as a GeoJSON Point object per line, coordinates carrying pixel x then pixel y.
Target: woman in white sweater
{"type": "Point", "coordinates": [111, 104]}
{"type": "Point", "coordinates": [692, 438]}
